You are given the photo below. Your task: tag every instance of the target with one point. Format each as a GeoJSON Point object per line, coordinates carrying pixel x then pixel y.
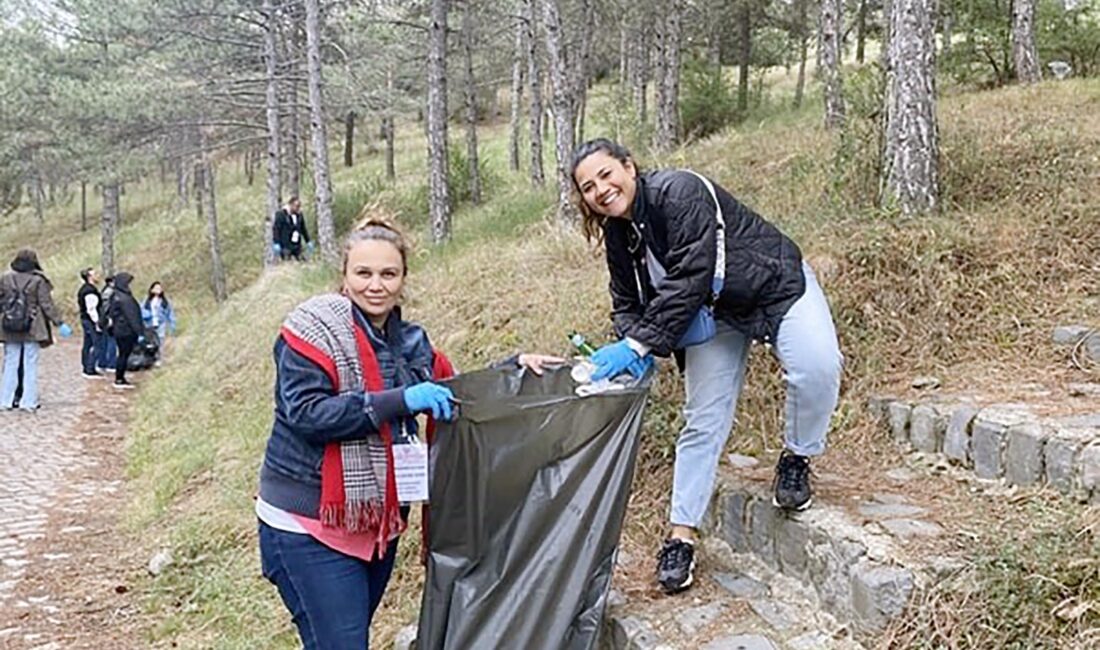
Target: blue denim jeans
{"type": "Point", "coordinates": [108, 352]}
{"type": "Point", "coordinates": [331, 596]}
{"type": "Point", "coordinates": [806, 346]}
{"type": "Point", "coordinates": [10, 378]}
{"type": "Point", "coordinates": [90, 352]}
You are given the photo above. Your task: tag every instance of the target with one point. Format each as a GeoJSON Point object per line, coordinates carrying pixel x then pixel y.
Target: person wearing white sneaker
{"type": "Point", "coordinates": [698, 274]}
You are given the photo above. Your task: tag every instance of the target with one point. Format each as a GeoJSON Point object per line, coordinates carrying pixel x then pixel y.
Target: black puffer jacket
{"type": "Point", "coordinates": [125, 310]}
{"type": "Point", "coordinates": [675, 216]}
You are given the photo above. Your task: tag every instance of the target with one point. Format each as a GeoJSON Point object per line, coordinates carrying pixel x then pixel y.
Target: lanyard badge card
{"type": "Point", "coordinates": [410, 469]}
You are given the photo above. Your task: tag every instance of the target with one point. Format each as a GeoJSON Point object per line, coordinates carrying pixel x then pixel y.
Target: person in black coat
{"type": "Point", "coordinates": [681, 249]}
{"type": "Point", "coordinates": [289, 231]}
{"type": "Point", "coordinates": [129, 328]}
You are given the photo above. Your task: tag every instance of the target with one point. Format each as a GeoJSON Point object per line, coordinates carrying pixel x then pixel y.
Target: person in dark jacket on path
{"type": "Point", "coordinates": [88, 304]}
{"type": "Point", "coordinates": [129, 328]}
{"type": "Point", "coordinates": [108, 351]}
{"type": "Point", "coordinates": [29, 286]}
{"type": "Point", "coordinates": [289, 231]}
{"type": "Point", "coordinates": [677, 243]}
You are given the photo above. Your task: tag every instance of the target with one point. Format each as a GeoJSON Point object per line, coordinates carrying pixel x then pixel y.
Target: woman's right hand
{"type": "Point", "coordinates": [429, 397]}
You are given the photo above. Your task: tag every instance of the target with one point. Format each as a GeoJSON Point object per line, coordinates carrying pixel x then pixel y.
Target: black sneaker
{"type": "Point", "coordinates": [676, 565]}
{"type": "Point", "coordinates": [92, 375]}
{"type": "Point", "coordinates": [123, 384]}
{"type": "Point", "coordinates": [792, 482]}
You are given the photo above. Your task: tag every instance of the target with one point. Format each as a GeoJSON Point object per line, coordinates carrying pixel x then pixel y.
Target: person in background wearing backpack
{"type": "Point", "coordinates": [676, 244]}
{"type": "Point", "coordinates": [26, 313]}
{"type": "Point", "coordinates": [108, 351]}
{"type": "Point", "coordinates": [129, 329]}
{"type": "Point", "coordinates": [88, 304]}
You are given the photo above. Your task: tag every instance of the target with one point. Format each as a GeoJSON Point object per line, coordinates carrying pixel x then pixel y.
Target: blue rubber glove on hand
{"type": "Point", "coordinates": [640, 367]}
{"type": "Point", "coordinates": [612, 360]}
{"type": "Point", "coordinates": [277, 249]}
{"type": "Point", "coordinates": [141, 338]}
{"type": "Point", "coordinates": [429, 397]}
{"type": "Point", "coordinates": [65, 331]}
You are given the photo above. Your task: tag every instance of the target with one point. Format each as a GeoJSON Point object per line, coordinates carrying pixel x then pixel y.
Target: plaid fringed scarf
{"type": "Point", "coordinates": [358, 489]}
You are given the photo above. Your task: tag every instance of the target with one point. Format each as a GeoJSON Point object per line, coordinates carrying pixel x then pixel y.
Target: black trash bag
{"type": "Point", "coordinates": [528, 494]}
{"type": "Point", "coordinates": [146, 353]}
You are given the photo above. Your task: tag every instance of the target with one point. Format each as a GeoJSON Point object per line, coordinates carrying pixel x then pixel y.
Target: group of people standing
{"type": "Point", "coordinates": [352, 375]}
{"type": "Point", "coordinates": [114, 323]}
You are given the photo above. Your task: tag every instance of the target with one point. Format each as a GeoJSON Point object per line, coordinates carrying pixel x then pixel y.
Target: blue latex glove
{"type": "Point", "coordinates": [612, 360]}
{"type": "Point", "coordinates": [430, 397]}
{"type": "Point", "coordinates": [65, 331]}
{"type": "Point", "coordinates": [309, 246]}
{"type": "Point", "coordinates": [640, 367]}
{"type": "Point", "coordinates": [277, 249]}
{"type": "Point", "coordinates": [141, 338]}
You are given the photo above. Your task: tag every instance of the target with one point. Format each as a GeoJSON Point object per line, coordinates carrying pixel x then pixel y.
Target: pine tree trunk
{"type": "Point", "coordinates": [831, 30]}
{"type": "Point", "coordinates": [518, 57]}
{"type": "Point", "coordinates": [439, 200]}
{"type": "Point", "coordinates": [207, 196]}
{"type": "Point", "coordinates": [1024, 54]}
{"type": "Point", "coordinates": [534, 84]}
{"type": "Point", "coordinates": [668, 103]}
{"type": "Point", "coordinates": [387, 126]}
{"type": "Point", "coordinates": [39, 197]}
{"type": "Point", "coordinates": [108, 226]}
{"type": "Point", "coordinates": [200, 191]}
{"type": "Point", "coordinates": [801, 37]}
{"type": "Point", "coordinates": [322, 182]}
{"type": "Point", "coordinates": [580, 73]}
{"type": "Point", "coordinates": [639, 71]}
{"type": "Point", "coordinates": [292, 142]}
{"type": "Point", "coordinates": [624, 50]}
{"type": "Point", "coordinates": [562, 104]}
{"type": "Point", "coordinates": [349, 139]}
{"type": "Point", "coordinates": [470, 97]}
{"type": "Point", "coordinates": [910, 166]}
{"type": "Point", "coordinates": [274, 148]}
{"type": "Point", "coordinates": [745, 58]}
{"type": "Point", "coordinates": [861, 31]}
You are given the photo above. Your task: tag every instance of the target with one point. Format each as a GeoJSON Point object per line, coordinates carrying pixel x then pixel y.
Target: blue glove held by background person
{"type": "Point", "coordinates": [429, 397]}
{"type": "Point", "coordinates": [141, 338]}
{"type": "Point", "coordinates": [65, 331]}
{"type": "Point", "coordinates": [277, 249]}
{"type": "Point", "coordinates": [612, 359]}
{"type": "Point", "coordinates": [640, 367]}
{"type": "Point", "coordinates": [309, 249]}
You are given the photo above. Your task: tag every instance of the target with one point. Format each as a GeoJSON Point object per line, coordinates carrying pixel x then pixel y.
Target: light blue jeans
{"type": "Point", "coordinates": [714, 373]}
{"type": "Point", "coordinates": [10, 379]}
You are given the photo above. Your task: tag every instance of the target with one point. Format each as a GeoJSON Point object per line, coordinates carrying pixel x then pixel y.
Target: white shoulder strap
{"type": "Point", "coordinates": [720, 238]}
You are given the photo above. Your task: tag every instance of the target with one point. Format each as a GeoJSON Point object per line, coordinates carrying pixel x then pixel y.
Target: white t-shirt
{"type": "Point", "coordinates": [278, 518]}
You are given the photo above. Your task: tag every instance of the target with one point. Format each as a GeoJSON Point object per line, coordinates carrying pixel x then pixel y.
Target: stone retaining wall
{"type": "Point", "coordinates": [1002, 442]}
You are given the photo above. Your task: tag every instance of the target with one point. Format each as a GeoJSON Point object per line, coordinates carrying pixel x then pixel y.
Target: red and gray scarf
{"type": "Point", "coordinates": [358, 489]}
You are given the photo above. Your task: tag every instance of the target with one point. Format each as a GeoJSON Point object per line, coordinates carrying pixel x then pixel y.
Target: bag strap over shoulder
{"type": "Point", "coordinates": [720, 238]}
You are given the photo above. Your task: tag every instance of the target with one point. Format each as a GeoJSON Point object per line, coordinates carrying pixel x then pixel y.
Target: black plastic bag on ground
{"type": "Point", "coordinates": [528, 494]}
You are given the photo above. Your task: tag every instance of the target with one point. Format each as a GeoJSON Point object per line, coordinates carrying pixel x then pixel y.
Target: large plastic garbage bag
{"type": "Point", "coordinates": [528, 493]}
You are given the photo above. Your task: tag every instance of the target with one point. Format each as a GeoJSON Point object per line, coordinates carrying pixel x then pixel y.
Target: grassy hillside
{"type": "Point", "coordinates": [970, 295]}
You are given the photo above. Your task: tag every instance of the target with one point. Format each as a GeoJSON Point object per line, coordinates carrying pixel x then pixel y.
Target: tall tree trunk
{"type": "Point", "coordinates": [639, 71]}
{"type": "Point", "coordinates": [387, 125]}
{"type": "Point", "coordinates": [580, 72]}
{"type": "Point", "coordinates": [207, 196]}
{"type": "Point", "coordinates": [518, 58]}
{"type": "Point", "coordinates": [349, 139]}
{"type": "Point", "coordinates": [108, 226]}
{"type": "Point", "coordinates": [274, 146]}
{"type": "Point", "coordinates": [534, 85]}
{"type": "Point", "coordinates": [200, 190]}
{"type": "Point", "coordinates": [801, 37]}
{"type": "Point", "coordinates": [39, 197]}
{"type": "Point", "coordinates": [439, 200]}
{"type": "Point", "coordinates": [470, 98]}
{"type": "Point", "coordinates": [910, 167]}
{"type": "Point", "coordinates": [1024, 54]}
{"type": "Point", "coordinates": [322, 183]}
{"type": "Point", "coordinates": [292, 141]}
{"type": "Point", "coordinates": [745, 58]}
{"type": "Point", "coordinates": [668, 106]}
{"type": "Point", "coordinates": [831, 30]}
{"type": "Point", "coordinates": [624, 49]}
{"type": "Point", "coordinates": [562, 104]}
{"type": "Point", "coordinates": [182, 183]}
{"type": "Point", "coordinates": [861, 31]}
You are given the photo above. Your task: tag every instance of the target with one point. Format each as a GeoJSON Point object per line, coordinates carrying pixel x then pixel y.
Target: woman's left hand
{"type": "Point", "coordinates": [536, 363]}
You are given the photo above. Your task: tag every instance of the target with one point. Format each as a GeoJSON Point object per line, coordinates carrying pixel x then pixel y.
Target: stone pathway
{"type": "Point", "coordinates": [60, 495]}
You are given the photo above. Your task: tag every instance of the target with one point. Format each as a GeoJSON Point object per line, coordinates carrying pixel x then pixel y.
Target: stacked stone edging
{"type": "Point", "coordinates": [854, 571]}
{"type": "Point", "coordinates": [1002, 442]}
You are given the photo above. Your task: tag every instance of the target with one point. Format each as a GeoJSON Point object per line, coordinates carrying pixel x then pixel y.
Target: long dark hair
{"type": "Point", "coordinates": [592, 222]}
{"type": "Point", "coordinates": [163, 296]}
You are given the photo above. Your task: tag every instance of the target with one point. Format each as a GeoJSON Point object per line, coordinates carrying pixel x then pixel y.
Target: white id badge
{"type": "Point", "coordinates": [410, 468]}
{"type": "Point", "coordinates": [294, 237]}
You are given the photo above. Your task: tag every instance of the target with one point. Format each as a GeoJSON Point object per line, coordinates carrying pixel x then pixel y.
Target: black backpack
{"type": "Point", "coordinates": [16, 312]}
